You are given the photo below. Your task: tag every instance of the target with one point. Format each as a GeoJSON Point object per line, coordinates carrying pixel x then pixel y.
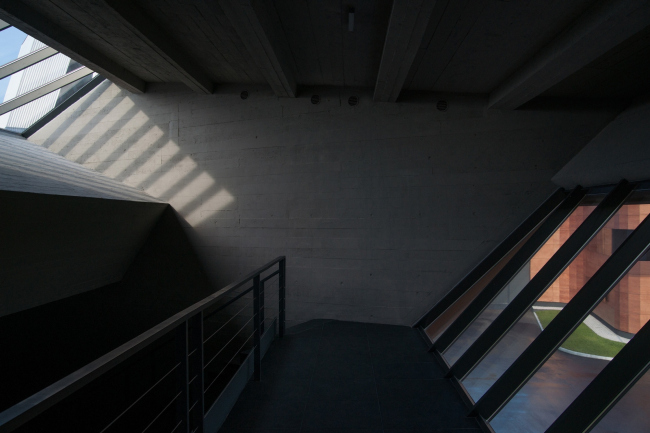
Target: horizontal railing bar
{"type": "Point", "coordinates": [177, 425]}
{"type": "Point", "coordinates": [271, 276]}
{"type": "Point", "coordinates": [227, 322]}
{"type": "Point", "coordinates": [226, 345]}
{"type": "Point", "coordinates": [26, 61]}
{"type": "Point", "coordinates": [161, 412]}
{"type": "Point", "coordinates": [228, 363]}
{"type": "Point", "coordinates": [233, 300]}
{"type": "Point", "coordinates": [27, 409]}
{"type": "Point", "coordinates": [140, 398]}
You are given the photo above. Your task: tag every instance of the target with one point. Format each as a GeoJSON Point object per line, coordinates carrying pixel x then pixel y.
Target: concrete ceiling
{"type": "Point", "coordinates": [514, 51]}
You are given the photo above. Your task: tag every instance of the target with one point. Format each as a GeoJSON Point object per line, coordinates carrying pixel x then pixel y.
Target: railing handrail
{"type": "Point", "coordinates": [33, 405]}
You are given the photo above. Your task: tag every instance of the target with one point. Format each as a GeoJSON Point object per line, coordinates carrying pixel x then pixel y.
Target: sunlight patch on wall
{"type": "Point", "coordinates": [79, 125]}
{"type": "Point", "coordinates": [194, 189]}
{"type": "Point", "coordinates": [132, 155]}
{"type": "Point", "coordinates": [208, 207]}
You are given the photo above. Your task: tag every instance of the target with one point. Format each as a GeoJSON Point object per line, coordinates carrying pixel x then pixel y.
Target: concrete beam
{"type": "Point", "coordinates": [190, 73]}
{"type": "Point", "coordinates": [258, 25]}
{"type": "Point", "coordinates": [31, 22]}
{"type": "Point", "coordinates": [406, 28]}
{"type": "Point", "coordinates": [599, 29]}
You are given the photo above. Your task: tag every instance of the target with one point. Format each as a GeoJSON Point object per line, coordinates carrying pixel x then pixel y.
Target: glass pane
{"type": "Point", "coordinates": [11, 40]}
{"type": "Point", "coordinates": [440, 325]}
{"type": "Point", "coordinates": [630, 414]}
{"type": "Point", "coordinates": [585, 353]}
{"type": "Point", "coordinates": [28, 79]}
{"type": "Point", "coordinates": [557, 295]}
{"type": "Point", "coordinates": [522, 278]}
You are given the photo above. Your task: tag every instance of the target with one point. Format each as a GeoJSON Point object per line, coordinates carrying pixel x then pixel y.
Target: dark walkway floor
{"type": "Point", "coordinates": [330, 376]}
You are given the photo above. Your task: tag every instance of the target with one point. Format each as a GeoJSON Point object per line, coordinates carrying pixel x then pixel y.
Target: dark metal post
{"type": "Point", "coordinates": [573, 314]}
{"type": "Point", "coordinates": [281, 291]}
{"type": "Point", "coordinates": [262, 307]}
{"type": "Point", "coordinates": [257, 359]}
{"type": "Point", "coordinates": [544, 278]}
{"type": "Point", "coordinates": [602, 394]}
{"type": "Point", "coordinates": [493, 258]}
{"type": "Point", "coordinates": [494, 287]}
{"type": "Point", "coordinates": [183, 402]}
{"type": "Point", "coordinates": [195, 368]}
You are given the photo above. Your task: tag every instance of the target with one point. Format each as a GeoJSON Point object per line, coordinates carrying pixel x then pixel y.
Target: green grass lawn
{"type": "Point", "coordinates": [583, 339]}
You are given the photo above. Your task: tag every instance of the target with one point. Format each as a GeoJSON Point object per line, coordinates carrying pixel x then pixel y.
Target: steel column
{"type": "Point", "coordinates": [493, 258]}
{"type": "Point", "coordinates": [195, 372]}
{"type": "Point", "coordinates": [281, 295]}
{"type": "Point", "coordinates": [618, 377]}
{"type": "Point", "coordinates": [257, 359]}
{"type": "Point", "coordinates": [544, 278]}
{"type": "Point", "coordinates": [573, 314]}
{"type": "Point", "coordinates": [525, 253]}
{"type": "Point", "coordinates": [183, 401]}
{"type": "Point", "coordinates": [262, 307]}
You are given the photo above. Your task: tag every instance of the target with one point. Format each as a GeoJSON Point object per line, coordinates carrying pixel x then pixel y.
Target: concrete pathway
{"type": "Point", "coordinates": [595, 325]}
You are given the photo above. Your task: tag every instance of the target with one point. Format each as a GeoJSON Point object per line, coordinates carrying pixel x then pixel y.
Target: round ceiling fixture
{"type": "Point", "coordinates": [353, 100]}
{"type": "Point", "coordinates": [315, 99]}
{"type": "Point", "coordinates": [441, 105]}
{"type": "Point", "coordinates": [243, 94]}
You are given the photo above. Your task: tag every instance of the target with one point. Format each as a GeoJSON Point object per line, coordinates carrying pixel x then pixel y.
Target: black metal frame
{"type": "Point", "coordinates": [493, 258]}
{"type": "Point", "coordinates": [567, 320]}
{"type": "Point", "coordinates": [544, 278]}
{"type": "Point", "coordinates": [187, 328]}
{"type": "Point", "coordinates": [620, 374]}
{"type": "Point", "coordinates": [514, 265]}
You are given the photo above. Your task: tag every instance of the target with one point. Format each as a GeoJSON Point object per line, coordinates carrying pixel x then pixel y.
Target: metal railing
{"type": "Point", "coordinates": [186, 370]}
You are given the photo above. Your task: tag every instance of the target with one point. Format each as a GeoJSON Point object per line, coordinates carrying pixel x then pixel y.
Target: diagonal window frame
{"type": "Point", "coordinates": [618, 377]}
{"type": "Point", "coordinates": [32, 59]}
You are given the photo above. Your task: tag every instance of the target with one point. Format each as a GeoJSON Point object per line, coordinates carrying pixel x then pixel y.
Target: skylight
{"type": "Point", "coordinates": [36, 82]}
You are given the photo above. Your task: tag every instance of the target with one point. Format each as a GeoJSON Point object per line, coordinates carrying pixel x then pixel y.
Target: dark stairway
{"type": "Point", "coordinates": [332, 376]}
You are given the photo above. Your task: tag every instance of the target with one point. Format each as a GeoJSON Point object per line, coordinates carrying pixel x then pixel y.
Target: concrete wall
{"type": "Point", "coordinates": [380, 208]}
{"type": "Point", "coordinates": [54, 241]}
{"type": "Point", "coordinates": [619, 151]}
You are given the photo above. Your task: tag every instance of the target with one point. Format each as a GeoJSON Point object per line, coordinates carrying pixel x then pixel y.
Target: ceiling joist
{"type": "Point", "coordinates": [406, 28]}
{"type": "Point", "coordinates": [155, 37]}
{"type": "Point", "coordinates": [33, 23]}
{"type": "Point", "coordinates": [258, 25]}
{"type": "Point", "coordinates": [599, 29]}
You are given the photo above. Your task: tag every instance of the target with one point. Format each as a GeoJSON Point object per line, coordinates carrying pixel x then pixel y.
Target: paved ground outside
{"type": "Point", "coordinates": [562, 378]}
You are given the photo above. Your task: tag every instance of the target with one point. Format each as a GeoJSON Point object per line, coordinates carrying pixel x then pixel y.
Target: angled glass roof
{"type": "Point", "coordinates": [36, 82]}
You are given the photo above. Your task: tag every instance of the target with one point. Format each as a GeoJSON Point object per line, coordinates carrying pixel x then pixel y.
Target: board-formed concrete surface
{"type": "Point", "coordinates": [331, 376]}
{"type": "Point", "coordinates": [380, 208]}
